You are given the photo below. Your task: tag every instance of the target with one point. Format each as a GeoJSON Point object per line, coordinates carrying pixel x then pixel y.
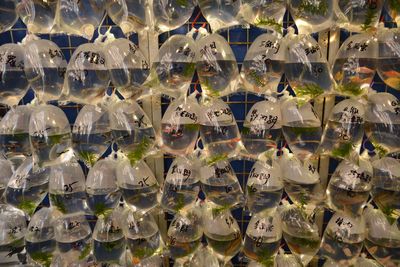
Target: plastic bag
{"type": "Point", "coordinates": [306, 68]}
{"type": "Point", "coordinates": [263, 237]}
{"type": "Point", "coordinates": [313, 16]}
{"type": "Point", "coordinates": [130, 15]}
{"type": "Point", "coordinates": [388, 66]}
{"type": "Point", "coordinates": [39, 238]}
{"type": "Point", "coordinates": [45, 68]}
{"type": "Point", "coordinates": [174, 66]}
{"type": "Point", "coordinates": [382, 123]}
{"type": "Point", "coordinates": [344, 131]}
{"type": "Point", "coordinates": [264, 187]}
{"type": "Point", "coordinates": [13, 229]}
{"type": "Point", "coordinates": [138, 185]}
{"type": "Point", "coordinates": [142, 236]}
{"type": "Point", "coordinates": [204, 257]}
{"type": "Point", "coordinates": [80, 17]}
{"type": "Point", "coordinates": [13, 81]}
{"type": "Point", "coordinates": [67, 190]}
{"type": "Point", "coordinates": [91, 133]}
{"type": "Point", "coordinates": [361, 262]}
{"type": "Point", "coordinates": [357, 16]}
{"type": "Point", "coordinates": [179, 126]}
{"type": "Point", "coordinates": [184, 234]}
{"type": "Point", "coordinates": [349, 187]}
{"type": "Point", "coordinates": [50, 134]}
{"type": "Point", "coordinates": [221, 186]}
{"type": "Point", "coordinates": [14, 132]}
{"type": "Point", "coordinates": [5, 175]}
{"type": "Point", "coordinates": [220, 14]}
{"type": "Point", "coordinates": [301, 128]}
{"type": "Point", "coordinates": [264, 14]}
{"type": "Point", "coordinates": [382, 238]}
{"type": "Point", "coordinates": [262, 128]}
{"type": "Point", "coordinates": [108, 238]}
{"type": "Point", "coordinates": [102, 191]}
{"type": "Point", "coordinates": [87, 76]}
{"type": "Point", "coordinates": [171, 14]}
{"type": "Point", "coordinates": [131, 130]}
{"type": "Point", "coordinates": [386, 187]}
{"type": "Point", "coordinates": [355, 64]}
{"type": "Point", "coordinates": [181, 186]}
{"type": "Point", "coordinates": [128, 67]}
{"type": "Point", "coordinates": [216, 66]}
{"type": "Point", "coordinates": [74, 238]}
{"type": "Point", "coordinates": [301, 235]}
{"type": "Point", "coordinates": [8, 15]}
{"type": "Point", "coordinates": [286, 260]}
{"type": "Point", "coordinates": [38, 15]}
{"type": "Point", "coordinates": [222, 233]}
{"type": "Point", "coordinates": [263, 64]}
{"type": "Point", "coordinates": [27, 187]}
{"type": "Point", "coordinates": [218, 131]}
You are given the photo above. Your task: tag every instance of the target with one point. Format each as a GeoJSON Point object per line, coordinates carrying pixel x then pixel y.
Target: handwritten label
{"type": "Point", "coordinates": [73, 224]}
{"type": "Point", "coordinates": [267, 118]}
{"type": "Point", "coordinates": [180, 112]}
{"type": "Point", "coordinates": [11, 60]}
{"type": "Point", "coordinates": [68, 187]}
{"type": "Point", "coordinates": [182, 171]}
{"type": "Point", "coordinates": [269, 44]}
{"type": "Point", "coordinates": [361, 176]}
{"type": "Point", "coordinates": [210, 48]}
{"type": "Point", "coordinates": [143, 182]}
{"type": "Point", "coordinates": [92, 57]}
{"type": "Point", "coordinates": [221, 171]}
{"type": "Point", "coordinates": [396, 106]}
{"type": "Point", "coordinates": [264, 177]}
{"type": "Point", "coordinates": [312, 50]}
{"type": "Point", "coordinates": [218, 113]}
{"type": "Point", "coordinates": [351, 115]}
{"type": "Point", "coordinates": [186, 51]}
{"type": "Point", "coordinates": [361, 46]}
{"type": "Point", "coordinates": [55, 53]}
{"type": "Point", "coordinates": [180, 226]}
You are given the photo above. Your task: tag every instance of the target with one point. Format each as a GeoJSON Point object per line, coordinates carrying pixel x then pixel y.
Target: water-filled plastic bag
{"type": "Point", "coordinates": [91, 133]}
{"type": "Point", "coordinates": [180, 126]}
{"type": "Point", "coordinates": [388, 66]}
{"type": "Point", "coordinates": [87, 76]}
{"type": "Point", "coordinates": [286, 260]}
{"type": "Point", "coordinates": [264, 14]}
{"type": "Point", "coordinates": [361, 262]}
{"type": "Point", "coordinates": [264, 187]}
{"type": "Point", "coordinates": [216, 66]}
{"type": "Point", "coordinates": [5, 175]}
{"type": "Point", "coordinates": [263, 64]}
{"type": "Point", "coordinates": [220, 14]}
{"type": "Point", "coordinates": [171, 14]}
{"type": "Point", "coordinates": [8, 15]}
{"type": "Point", "coordinates": [181, 186]}
{"type": "Point", "coordinates": [13, 81]}
{"type": "Point", "coordinates": [355, 64]}
{"type": "Point", "coordinates": [204, 257]}
{"type": "Point", "coordinates": [50, 134]}
{"type": "Point", "coordinates": [28, 186]}
{"type": "Point", "coordinates": [344, 130]}
{"type": "Point", "coordinates": [38, 15]}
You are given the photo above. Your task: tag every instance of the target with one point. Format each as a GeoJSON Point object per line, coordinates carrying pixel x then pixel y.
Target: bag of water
{"type": "Point", "coordinates": [13, 227]}
{"type": "Point", "coordinates": [264, 14]}
{"type": "Point", "coordinates": [67, 187]}
{"type": "Point", "coordinates": [221, 186]}
{"type": "Point", "coordinates": [263, 237]}
{"type": "Point", "coordinates": [301, 128]}
{"type": "Point", "coordinates": [300, 234]}
{"type": "Point", "coordinates": [8, 15]}
{"type": "Point", "coordinates": [13, 82]}
{"type": "Point", "coordinates": [222, 233]}
{"type": "Point", "coordinates": [262, 128]}
{"type": "Point", "coordinates": [204, 257]}
{"type": "Point", "coordinates": [91, 133]}
{"type": "Point", "coordinates": [263, 64]}
{"type": "Point", "coordinates": [313, 16]}
{"type": "Point", "coordinates": [355, 64]}
{"type": "Point", "coordinates": [39, 16]}
{"type": "Point", "coordinates": [350, 185]}
{"type": "Point", "coordinates": [218, 131]}
{"type": "Point", "coordinates": [128, 67]}
{"type": "Point", "coordinates": [216, 66]}
{"type": "Point", "coordinates": [264, 187]}
{"type": "Point", "coordinates": [386, 187]}
{"type": "Point", "coordinates": [131, 130]}
{"type": "Point", "coordinates": [180, 126]}
{"type": "Point", "coordinates": [45, 68]}
{"type": "Point", "coordinates": [28, 186]}
{"type": "Point", "coordinates": [382, 239]}
{"type": "Point", "coordinates": [344, 130]}
{"type": "Point", "coordinates": [174, 66]}
{"type": "Point", "coordinates": [49, 134]}
{"type": "Point", "coordinates": [74, 238]}
{"type": "Point", "coordinates": [5, 174]}
{"type": "Point", "coordinates": [286, 260]}
{"type": "Point", "coordinates": [220, 14]}
{"type": "Point", "coordinates": [14, 132]}
{"type": "Point", "coordinates": [181, 186]}
{"type": "Point", "coordinates": [343, 238]}
{"type": "Point", "coordinates": [138, 185]}
{"type": "Point", "coordinates": [358, 16]}
{"type": "Point", "coordinates": [361, 262]}
{"type": "Point", "coordinates": [306, 67]}
{"type": "Point", "coordinates": [102, 191]}
{"type": "Point", "coordinates": [388, 66]}
{"type": "Point", "coordinates": [40, 240]}
{"type": "Point", "coordinates": [382, 122]}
